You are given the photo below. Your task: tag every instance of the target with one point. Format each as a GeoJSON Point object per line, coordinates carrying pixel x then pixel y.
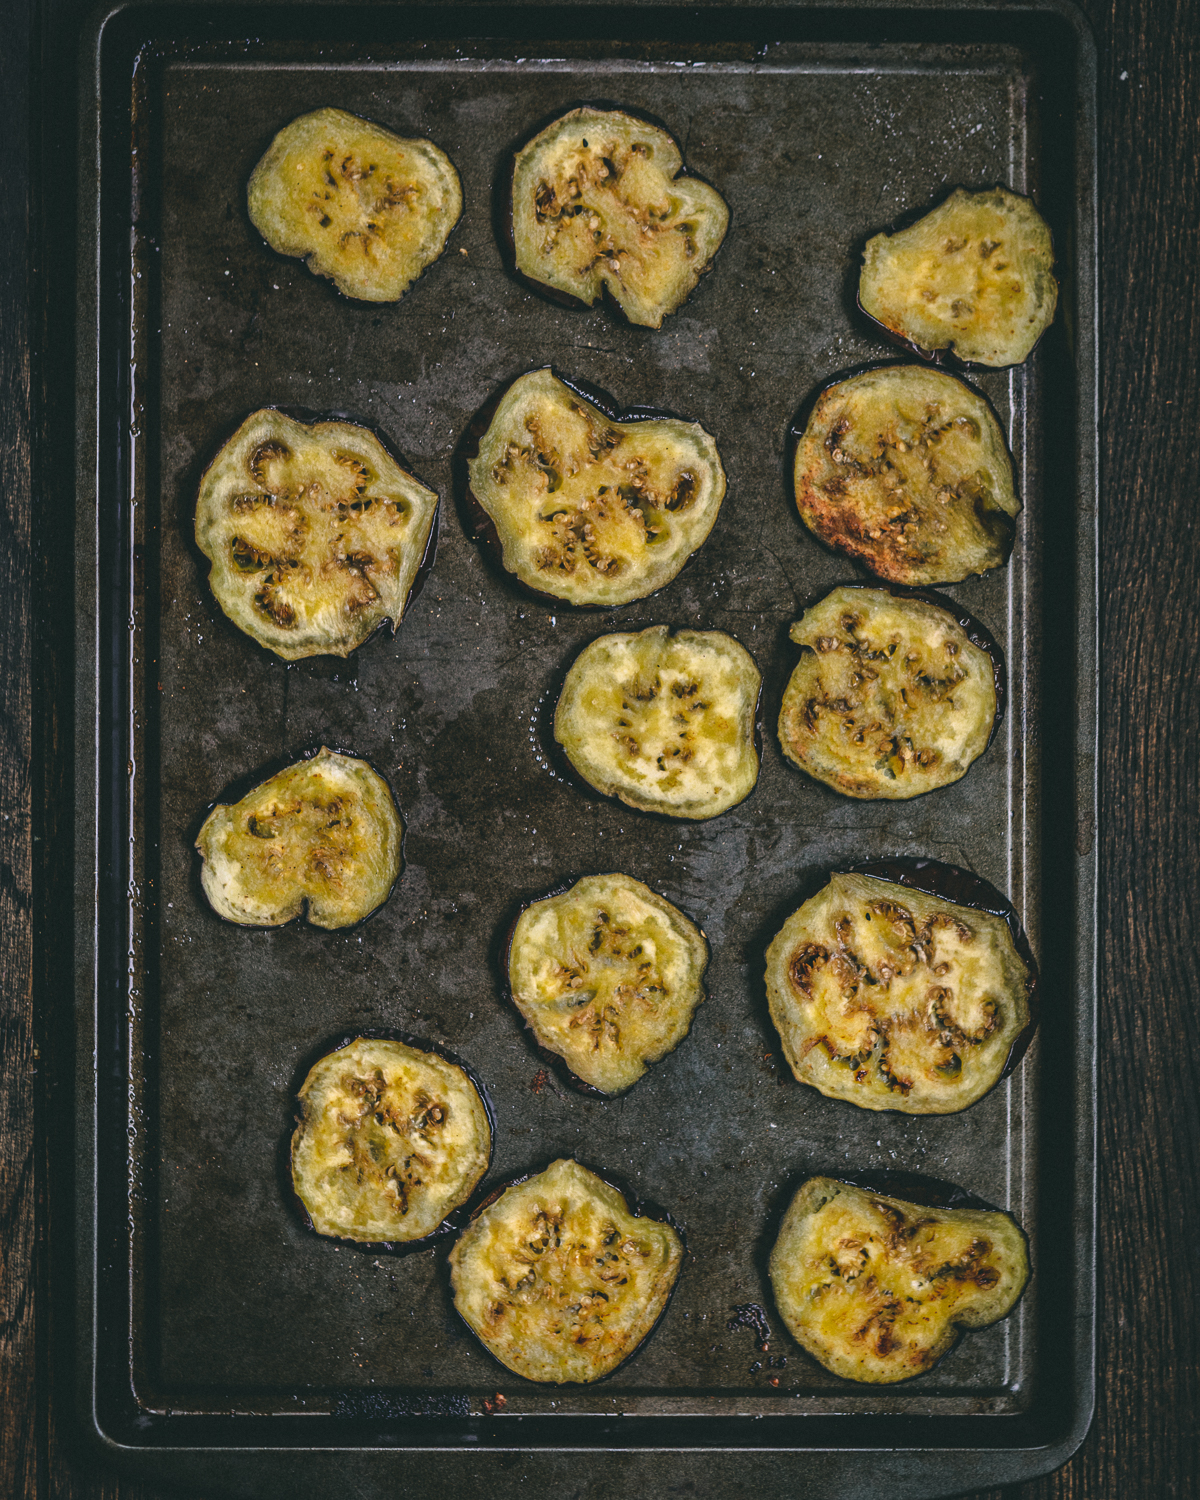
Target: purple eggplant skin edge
{"type": "Point", "coordinates": [974, 630]}
{"type": "Point", "coordinates": [504, 216]}
{"type": "Point", "coordinates": [799, 424]}
{"type": "Point", "coordinates": [640, 1208]}
{"type": "Point", "coordinates": [911, 1187]}
{"type": "Point", "coordinates": [928, 1192]}
{"type": "Point", "coordinates": [454, 1221]}
{"type": "Point", "coordinates": [479, 524]}
{"type": "Point", "coordinates": [387, 627]}
{"type": "Point", "coordinates": [545, 1055]}
{"type": "Point", "coordinates": [248, 781]}
{"type": "Point", "coordinates": [945, 358]}
{"type": "Point", "coordinates": [964, 888]}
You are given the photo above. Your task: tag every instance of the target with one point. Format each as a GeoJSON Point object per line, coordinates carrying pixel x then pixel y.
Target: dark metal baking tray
{"type": "Point", "coordinates": [207, 1315]}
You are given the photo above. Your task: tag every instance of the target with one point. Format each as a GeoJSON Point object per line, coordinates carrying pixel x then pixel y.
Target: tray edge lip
{"type": "Point", "coordinates": [87, 707]}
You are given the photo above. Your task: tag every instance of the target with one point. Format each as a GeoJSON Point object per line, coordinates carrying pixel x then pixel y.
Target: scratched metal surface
{"type": "Point", "coordinates": [813, 149]}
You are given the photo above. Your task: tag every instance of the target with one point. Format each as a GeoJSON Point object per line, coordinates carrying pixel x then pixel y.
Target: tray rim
{"type": "Point", "coordinates": [1035, 1453]}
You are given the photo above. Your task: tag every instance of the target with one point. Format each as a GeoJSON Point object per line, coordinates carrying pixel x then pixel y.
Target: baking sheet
{"type": "Point", "coordinates": [233, 1307]}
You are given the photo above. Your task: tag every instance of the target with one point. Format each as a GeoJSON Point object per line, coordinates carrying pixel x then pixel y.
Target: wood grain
{"type": "Point", "coordinates": [1145, 1444]}
{"type": "Point", "coordinates": [19, 1220]}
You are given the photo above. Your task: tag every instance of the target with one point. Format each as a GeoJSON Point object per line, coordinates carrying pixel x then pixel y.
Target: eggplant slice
{"type": "Point", "coordinates": [322, 837]}
{"type": "Point", "coordinates": [598, 202]}
{"type": "Point", "coordinates": [972, 280]}
{"type": "Point", "coordinates": [892, 697]}
{"type": "Point", "coordinates": [364, 207]}
{"type": "Point", "coordinates": [895, 998]}
{"type": "Point", "coordinates": [876, 1289]}
{"type": "Point", "coordinates": [587, 509]}
{"type": "Point", "coordinates": [608, 976]}
{"type": "Point", "coordinates": [390, 1141]}
{"type": "Point", "coordinates": [905, 469]}
{"type": "Point", "coordinates": [559, 1280]}
{"type": "Point", "coordinates": [663, 722]}
{"type": "Point", "coordinates": [315, 533]}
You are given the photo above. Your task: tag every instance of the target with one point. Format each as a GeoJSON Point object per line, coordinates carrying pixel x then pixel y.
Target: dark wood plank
{"type": "Point", "coordinates": [18, 1054]}
{"type": "Point", "coordinates": [1144, 1445]}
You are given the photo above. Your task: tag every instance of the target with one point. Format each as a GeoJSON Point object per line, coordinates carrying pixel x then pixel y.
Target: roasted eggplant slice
{"type": "Point", "coordinates": [971, 281]}
{"type": "Point", "coordinates": [322, 837]}
{"type": "Point", "coordinates": [893, 997]}
{"type": "Point", "coordinates": [589, 509]}
{"type": "Point", "coordinates": [608, 976]}
{"type": "Point", "coordinates": [893, 696]}
{"type": "Point", "coordinates": [598, 202]}
{"type": "Point", "coordinates": [905, 469]}
{"type": "Point", "coordinates": [664, 722]}
{"type": "Point", "coordinates": [315, 533]}
{"type": "Point", "coordinates": [559, 1280]}
{"type": "Point", "coordinates": [390, 1141]}
{"type": "Point", "coordinates": [876, 1289]}
{"type": "Point", "coordinates": [364, 207]}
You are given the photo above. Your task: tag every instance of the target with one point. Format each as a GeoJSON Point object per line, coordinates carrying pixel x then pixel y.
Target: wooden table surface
{"type": "Point", "coordinates": [1145, 1442]}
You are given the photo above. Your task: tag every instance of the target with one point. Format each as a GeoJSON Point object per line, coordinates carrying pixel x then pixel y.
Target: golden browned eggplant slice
{"type": "Point", "coordinates": [364, 207]}
{"type": "Point", "coordinates": [391, 1139]}
{"type": "Point", "coordinates": [322, 837]}
{"type": "Point", "coordinates": [905, 469]}
{"type": "Point", "coordinates": [877, 1289]}
{"type": "Point", "coordinates": [315, 533]}
{"type": "Point", "coordinates": [598, 202]}
{"type": "Point", "coordinates": [608, 976]}
{"type": "Point", "coordinates": [893, 696]}
{"type": "Point", "coordinates": [893, 997]}
{"type": "Point", "coordinates": [589, 509]}
{"type": "Point", "coordinates": [559, 1280]}
{"type": "Point", "coordinates": [972, 280]}
{"type": "Point", "coordinates": [664, 722]}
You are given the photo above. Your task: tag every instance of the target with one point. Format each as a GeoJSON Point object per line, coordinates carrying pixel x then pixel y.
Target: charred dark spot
{"type": "Point", "coordinates": [248, 559]}
{"type": "Point", "coordinates": [804, 962]}
{"type": "Point", "coordinates": [684, 492]}
{"type": "Point", "coordinates": [751, 1315]}
{"type": "Point", "coordinates": [272, 448]}
{"type": "Point", "coordinates": [276, 609]}
{"type": "Point", "coordinates": [833, 438]}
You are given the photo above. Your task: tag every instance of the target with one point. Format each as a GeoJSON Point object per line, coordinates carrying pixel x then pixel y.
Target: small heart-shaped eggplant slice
{"type": "Point", "coordinates": [599, 202]}
{"type": "Point", "coordinates": [877, 1289]}
{"type": "Point", "coordinates": [905, 470]}
{"type": "Point", "coordinates": [559, 1280]}
{"type": "Point", "coordinates": [589, 509]}
{"type": "Point", "coordinates": [322, 837]}
{"type": "Point", "coordinates": [897, 998]}
{"type": "Point", "coordinates": [972, 282]}
{"type": "Point", "coordinates": [608, 976]}
{"type": "Point", "coordinates": [895, 695]}
{"type": "Point", "coordinates": [364, 207]}
{"type": "Point", "coordinates": [315, 534]}
{"type": "Point", "coordinates": [663, 722]}
{"type": "Point", "coordinates": [390, 1141]}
